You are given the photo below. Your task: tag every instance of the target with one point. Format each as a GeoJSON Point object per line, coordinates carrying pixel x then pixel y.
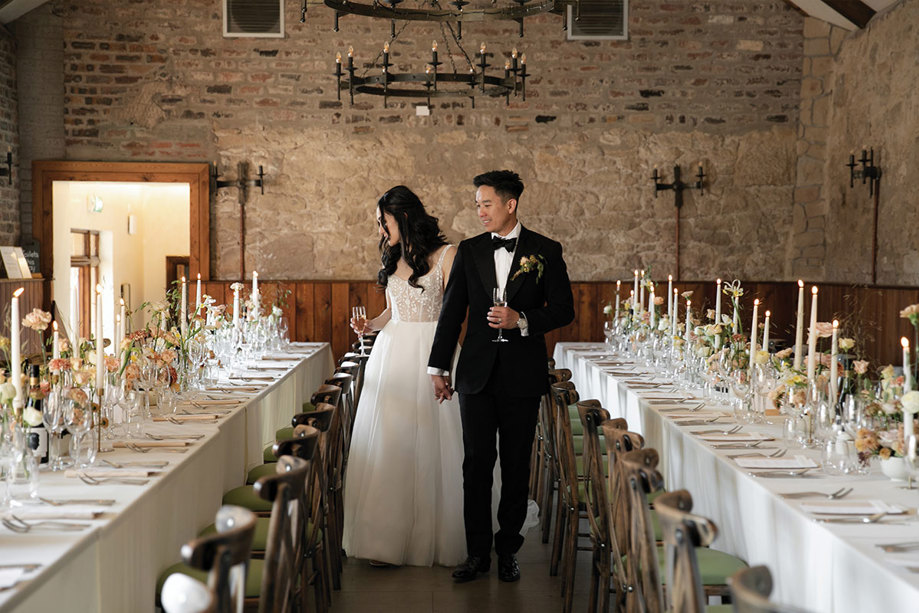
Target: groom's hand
{"type": "Point", "coordinates": [442, 389]}
{"type": "Point", "coordinates": [502, 317]}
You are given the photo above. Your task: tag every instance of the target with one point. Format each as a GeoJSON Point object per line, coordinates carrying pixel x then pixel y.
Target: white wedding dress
{"type": "Point", "coordinates": [404, 485]}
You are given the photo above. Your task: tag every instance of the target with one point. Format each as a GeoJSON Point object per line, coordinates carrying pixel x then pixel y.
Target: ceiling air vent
{"type": "Point", "coordinates": [253, 18]}
{"type": "Point", "coordinates": [598, 20]}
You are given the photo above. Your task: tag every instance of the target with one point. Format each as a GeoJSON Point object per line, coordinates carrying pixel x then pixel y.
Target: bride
{"type": "Point", "coordinates": [404, 487]}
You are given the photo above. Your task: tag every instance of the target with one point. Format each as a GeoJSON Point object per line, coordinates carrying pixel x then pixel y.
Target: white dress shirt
{"type": "Point", "coordinates": [504, 259]}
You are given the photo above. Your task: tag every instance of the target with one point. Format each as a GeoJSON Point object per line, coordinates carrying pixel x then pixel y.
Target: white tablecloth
{"type": "Point", "coordinates": [818, 566]}
{"type": "Point", "coordinates": [113, 566]}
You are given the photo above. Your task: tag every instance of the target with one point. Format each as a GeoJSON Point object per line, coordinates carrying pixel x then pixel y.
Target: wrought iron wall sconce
{"type": "Point", "coordinates": [870, 174]}
{"type": "Point", "coordinates": [677, 185]}
{"type": "Point", "coordinates": [8, 171]}
{"type": "Point", "coordinates": [242, 184]}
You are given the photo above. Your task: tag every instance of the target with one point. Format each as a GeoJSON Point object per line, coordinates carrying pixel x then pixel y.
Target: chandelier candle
{"type": "Point", "coordinates": [812, 339]}
{"type": "Point", "coordinates": [799, 327]}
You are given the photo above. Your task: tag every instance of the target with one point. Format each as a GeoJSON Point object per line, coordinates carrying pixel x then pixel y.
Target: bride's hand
{"type": "Point", "coordinates": [356, 325]}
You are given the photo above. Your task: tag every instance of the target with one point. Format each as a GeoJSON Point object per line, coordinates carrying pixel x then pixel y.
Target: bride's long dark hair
{"type": "Point", "coordinates": [419, 235]}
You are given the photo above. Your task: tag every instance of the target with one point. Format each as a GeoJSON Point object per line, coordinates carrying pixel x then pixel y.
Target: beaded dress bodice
{"type": "Point", "coordinates": [409, 303]}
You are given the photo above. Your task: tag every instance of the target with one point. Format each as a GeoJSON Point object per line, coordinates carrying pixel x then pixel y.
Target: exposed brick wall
{"type": "Point", "coordinates": [40, 58]}
{"type": "Point", "coordinates": [157, 81]}
{"type": "Point", "coordinates": [9, 205]}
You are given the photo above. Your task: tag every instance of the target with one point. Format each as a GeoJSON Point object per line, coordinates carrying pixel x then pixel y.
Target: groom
{"type": "Point", "coordinates": [499, 383]}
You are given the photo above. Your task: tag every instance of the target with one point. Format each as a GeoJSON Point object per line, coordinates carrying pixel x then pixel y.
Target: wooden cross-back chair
{"type": "Point", "coordinates": [750, 590]}
{"type": "Point", "coordinates": [223, 554]}
{"type": "Point", "coordinates": [326, 394]}
{"type": "Point", "coordinates": [361, 361]}
{"type": "Point", "coordinates": [544, 465]}
{"type": "Point", "coordinates": [606, 550]}
{"type": "Point", "coordinates": [619, 441]}
{"type": "Point", "coordinates": [344, 381]}
{"type": "Point", "coordinates": [284, 578]}
{"type": "Point", "coordinates": [327, 419]}
{"type": "Point", "coordinates": [639, 469]}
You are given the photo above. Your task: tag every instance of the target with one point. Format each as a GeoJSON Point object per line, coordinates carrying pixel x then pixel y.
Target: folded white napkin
{"type": "Point", "coordinates": [102, 473]}
{"type": "Point", "coordinates": [741, 437]}
{"type": "Point", "coordinates": [799, 461]}
{"type": "Point", "coordinates": [852, 507]}
{"type": "Point", "coordinates": [68, 512]}
{"type": "Point", "coordinates": [10, 577]}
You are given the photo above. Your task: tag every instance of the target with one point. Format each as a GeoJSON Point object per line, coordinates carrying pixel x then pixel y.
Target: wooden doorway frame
{"type": "Point", "coordinates": [196, 175]}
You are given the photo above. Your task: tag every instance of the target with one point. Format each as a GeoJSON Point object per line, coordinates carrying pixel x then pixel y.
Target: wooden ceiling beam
{"type": "Point", "coordinates": [855, 11]}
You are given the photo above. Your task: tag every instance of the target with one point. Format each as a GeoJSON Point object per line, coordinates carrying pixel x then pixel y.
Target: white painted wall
{"type": "Point", "coordinates": [162, 213]}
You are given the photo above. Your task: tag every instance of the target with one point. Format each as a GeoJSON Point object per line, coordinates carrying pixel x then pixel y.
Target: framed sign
{"type": "Point", "coordinates": [11, 264]}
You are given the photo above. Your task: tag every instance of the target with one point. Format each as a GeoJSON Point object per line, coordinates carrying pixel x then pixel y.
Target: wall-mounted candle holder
{"type": "Point", "coordinates": [677, 185]}
{"type": "Point", "coordinates": [868, 172]}
{"type": "Point", "coordinates": [8, 171]}
{"type": "Point", "coordinates": [242, 184]}
{"type": "Point", "coordinates": [864, 168]}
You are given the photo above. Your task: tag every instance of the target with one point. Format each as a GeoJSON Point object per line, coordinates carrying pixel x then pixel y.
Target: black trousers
{"type": "Point", "coordinates": [513, 418]}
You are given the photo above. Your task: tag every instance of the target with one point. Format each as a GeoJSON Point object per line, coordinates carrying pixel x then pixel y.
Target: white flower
{"type": "Point", "coordinates": [277, 312]}
{"type": "Point", "coordinates": [910, 402]}
{"type": "Point", "coordinates": [608, 309]}
{"type": "Point", "coordinates": [664, 324]}
{"type": "Point", "coordinates": [31, 416]}
{"type": "Point", "coordinates": [846, 343]}
{"type": "Point", "coordinates": [761, 357]}
{"type": "Point", "coordinates": [7, 391]}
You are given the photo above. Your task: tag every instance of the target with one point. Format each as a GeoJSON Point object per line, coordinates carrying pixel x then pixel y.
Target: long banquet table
{"type": "Point", "coordinates": [113, 565]}
{"type": "Point", "coordinates": [821, 567]}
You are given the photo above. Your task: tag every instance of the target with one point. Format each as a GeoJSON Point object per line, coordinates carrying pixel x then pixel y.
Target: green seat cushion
{"type": "Point", "coordinates": [245, 496]}
{"type": "Point", "coordinates": [577, 428]}
{"type": "Point", "coordinates": [714, 566]}
{"type": "Point", "coordinates": [260, 471]}
{"type": "Point", "coordinates": [284, 434]}
{"type": "Point", "coordinates": [268, 454]}
{"type": "Point", "coordinates": [308, 407]}
{"type": "Point", "coordinates": [719, 608]}
{"type": "Point", "coordinates": [253, 579]}
{"type": "Point", "coordinates": [260, 538]}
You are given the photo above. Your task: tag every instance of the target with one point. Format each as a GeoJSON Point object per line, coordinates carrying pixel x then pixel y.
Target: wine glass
{"type": "Point", "coordinates": [53, 417]}
{"type": "Point", "coordinates": [499, 298]}
{"type": "Point", "coordinates": [359, 320]}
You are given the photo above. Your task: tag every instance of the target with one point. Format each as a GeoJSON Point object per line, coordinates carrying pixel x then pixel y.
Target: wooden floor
{"type": "Point", "coordinates": [366, 589]}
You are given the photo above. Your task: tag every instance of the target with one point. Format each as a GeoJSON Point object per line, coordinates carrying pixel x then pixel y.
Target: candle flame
{"type": "Point", "coordinates": [756, 302]}
{"type": "Point", "coordinates": [631, 292]}
{"type": "Point", "coordinates": [350, 51]}
{"type": "Point", "coordinates": [254, 273]}
{"type": "Point", "coordinates": [717, 281]}
{"type": "Point", "coordinates": [427, 69]}
{"type": "Point", "coordinates": [642, 273]}
{"type": "Point", "coordinates": [121, 301]}
{"type": "Point", "coordinates": [814, 290]}
{"type": "Point", "coordinates": [199, 276]}
{"type": "Point", "coordinates": [905, 342]}
{"type": "Point", "coordinates": [18, 292]}
{"type": "Point", "coordinates": [768, 313]}
{"type": "Point", "coordinates": [523, 59]}
{"type": "Point", "coordinates": [800, 283]}
{"type": "Point", "coordinates": [670, 277]}
{"type": "Point", "coordinates": [835, 323]}
{"type": "Point", "coordinates": [54, 325]}
{"type": "Point", "coordinates": [434, 46]}
{"type": "Point", "coordinates": [514, 52]}
{"type": "Point", "coordinates": [618, 283]}
{"type": "Point", "coordinates": [117, 317]}
{"type": "Point", "coordinates": [183, 279]}
{"type": "Point", "coordinates": [482, 48]}
{"type": "Point", "coordinates": [688, 302]}
{"type": "Point", "coordinates": [507, 64]}
{"type": "Point", "coordinates": [385, 47]}
{"type": "Point", "coordinates": [99, 288]}
{"type": "Point", "coordinates": [338, 58]}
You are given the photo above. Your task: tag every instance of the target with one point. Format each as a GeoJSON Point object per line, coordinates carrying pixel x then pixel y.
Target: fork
{"type": "Point", "coordinates": [733, 430]}
{"type": "Point", "coordinates": [840, 493]}
{"type": "Point", "coordinates": [136, 448]}
{"type": "Point", "coordinates": [163, 437]}
{"type": "Point", "coordinates": [21, 526]}
{"type": "Point", "coordinates": [778, 453]}
{"type": "Point", "coordinates": [99, 481]}
{"type": "Point", "coordinates": [136, 464]}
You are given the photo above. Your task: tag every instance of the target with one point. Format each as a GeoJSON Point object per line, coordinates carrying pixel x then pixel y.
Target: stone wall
{"type": "Point", "coordinates": [859, 91]}
{"type": "Point", "coordinates": [9, 140]}
{"type": "Point", "coordinates": [40, 59]}
{"type": "Point", "coordinates": [716, 82]}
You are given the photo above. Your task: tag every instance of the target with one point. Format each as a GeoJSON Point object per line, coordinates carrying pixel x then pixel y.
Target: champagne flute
{"type": "Point", "coordinates": [359, 317]}
{"type": "Point", "coordinates": [499, 298]}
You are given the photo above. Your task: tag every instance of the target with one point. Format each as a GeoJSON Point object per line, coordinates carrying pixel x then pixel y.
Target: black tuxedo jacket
{"type": "Point", "coordinates": [547, 304]}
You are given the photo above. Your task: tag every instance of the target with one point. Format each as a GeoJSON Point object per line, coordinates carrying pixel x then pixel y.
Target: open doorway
{"type": "Point", "coordinates": [116, 224]}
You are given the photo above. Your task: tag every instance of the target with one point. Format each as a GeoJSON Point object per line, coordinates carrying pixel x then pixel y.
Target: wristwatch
{"type": "Point", "coordinates": [522, 324]}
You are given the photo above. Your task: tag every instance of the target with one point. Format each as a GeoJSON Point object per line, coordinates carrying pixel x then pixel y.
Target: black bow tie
{"type": "Point", "coordinates": [508, 243]}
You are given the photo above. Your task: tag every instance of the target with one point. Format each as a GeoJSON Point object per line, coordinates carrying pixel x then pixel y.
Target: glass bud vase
{"type": "Point", "coordinates": [22, 468]}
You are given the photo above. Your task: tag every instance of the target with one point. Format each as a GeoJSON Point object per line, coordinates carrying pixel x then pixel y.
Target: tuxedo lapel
{"type": "Point", "coordinates": [484, 256]}
{"type": "Point", "coordinates": [525, 247]}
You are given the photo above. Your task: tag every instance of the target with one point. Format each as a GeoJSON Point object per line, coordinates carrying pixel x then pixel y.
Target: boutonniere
{"type": "Point", "coordinates": [530, 263]}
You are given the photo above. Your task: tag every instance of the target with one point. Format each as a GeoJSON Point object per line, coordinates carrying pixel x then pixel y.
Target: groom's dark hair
{"type": "Point", "coordinates": [506, 183]}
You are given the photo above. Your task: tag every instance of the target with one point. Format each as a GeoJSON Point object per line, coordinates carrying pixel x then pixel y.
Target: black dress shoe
{"type": "Point", "coordinates": [508, 570]}
{"type": "Point", "coordinates": [470, 569]}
